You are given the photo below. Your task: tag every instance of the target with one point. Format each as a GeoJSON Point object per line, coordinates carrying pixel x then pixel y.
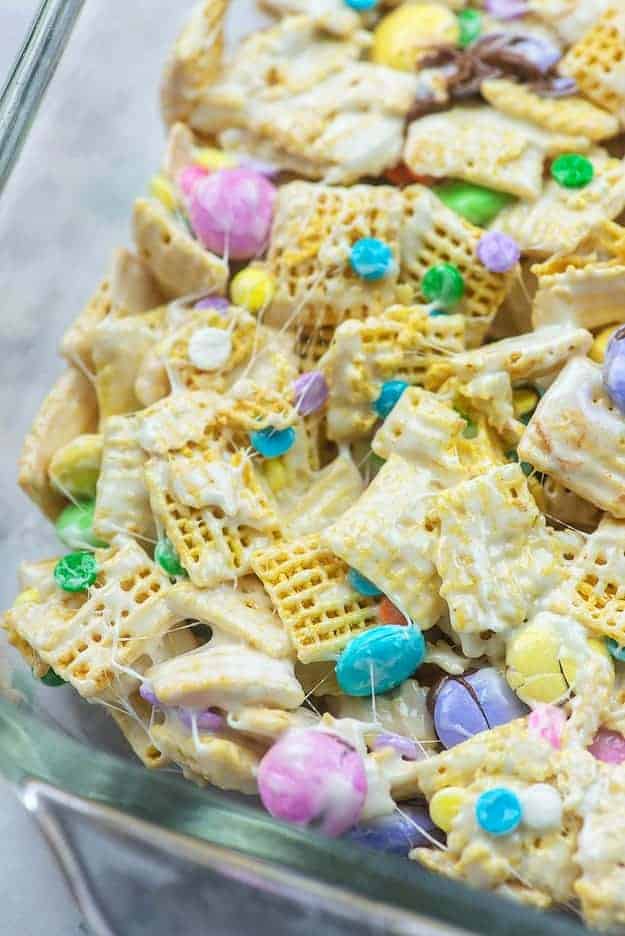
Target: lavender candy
{"type": "Point", "coordinates": [146, 692]}
{"type": "Point", "coordinates": [498, 252]}
{"type": "Point", "coordinates": [208, 720]}
{"type": "Point", "coordinates": [398, 833]}
{"type": "Point", "coordinates": [614, 369]}
{"type": "Point", "coordinates": [220, 303]}
{"type": "Point", "coordinates": [404, 746]}
{"type": "Point", "coordinates": [311, 392]}
{"type": "Point", "coordinates": [465, 706]}
{"type": "Point", "coordinates": [506, 9]}
{"type": "Point", "coordinates": [541, 53]}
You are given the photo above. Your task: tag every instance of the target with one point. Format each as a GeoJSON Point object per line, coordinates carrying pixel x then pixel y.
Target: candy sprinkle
{"type": "Point", "coordinates": [389, 395]}
{"type": "Point", "coordinates": [498, 252]}
{"type": "Point", "coordinates": [470, 22]}
{"type": "Point", "coordinates": [311, 392]}
{"type": "Point", "coordinates": [572, 170]}
{"type": "Point", "coordinates": [362, 585]}
{"type": "Point", "coordinates": [76, 571]}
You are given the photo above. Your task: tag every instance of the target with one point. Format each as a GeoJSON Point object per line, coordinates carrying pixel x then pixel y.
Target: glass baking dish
{"type": "Point", "coordinates": [145, 851]}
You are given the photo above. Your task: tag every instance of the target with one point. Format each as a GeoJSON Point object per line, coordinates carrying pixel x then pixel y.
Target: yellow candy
{"type": "Point", "coordinates": [524, 400]}
{"type": "Point", "coordinates": [533, 665]}
{"type": "Point", "coordinates": [445, 806]}
{"type": "Point", "coordinates": [275, 473]}
{"type": "Point", "coordinates": [211, 158]}
{"type": "Point", "coordinates": [74, 469]}
{"type": "Point", "coordinates": [569, 665]}
{"type": "Point", "coordinates": [161, 188]}
{"type": "Point", "coordinates": [599, 345]}
{"type": "Point", "coordinates": [253, 289]}
{"type": "Point", "coordinates": [28, 596]}
{"type": "Point", "coordinates": [403, 37]}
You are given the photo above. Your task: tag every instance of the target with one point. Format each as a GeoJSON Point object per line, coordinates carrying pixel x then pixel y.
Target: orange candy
{"type": "Point", "coordinates": [389, 614]}
{"type": "Point", "coordinates": [402, 175]}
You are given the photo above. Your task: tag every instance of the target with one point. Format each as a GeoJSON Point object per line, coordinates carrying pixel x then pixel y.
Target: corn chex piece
{"type": "Point", "coordinates": [228, 764]}
{"type": "Point", "coordinates": [401, 344]}
{"type": "Point", "coordinates": [332, 491]}
{"type": "Point", "coordinates": [561, 218]}
{"type": "Point", "coordinates": [313, 230]}
{"type": "Point", "coordinates": [572, 115]}
{"type": "Point", "coordinates": [564, 505]}
{"type": "Point", "coordinates": [485, 147]}
{"type": "Point", "coordinates": [244, 612]}
{"type": "Point", "coordinates": [611, 237]}
{"type": "Point", "coordinates": [119, 346]}
{"type": "Point", "coordinates": [179, 263]}
{"type": "Point", "coordinates": [90, 640]}
{"type": "Point", "coordinates": [227, 676]}
{"type": "Point", "coordinates": [388, 538]}
{"type": "Point", "coordinates": [249, 406]}
{"type": "Point", "coordinates": [597, 64]}
{"type": "Point", "coordinates": [577, 437]}
{"type": "Point", "coordinates": [586, 295]}
{"type": "Point", "coordinates": [269, 723]}
{"type": "Point", "coordinates": [77, 342]}
{"type": "Point", "coordinates": [491, 395]}
{"type": "Point", "coordinates": [495, 556]}
{"type": "Point", "coordinates": [331, 15]}
{"type": "Point", "coordinates": [214, 511]}
{"type": "Point", "coordinates": [523, 357]}
{"type": "Point", "coordinates": [308, 587]}
{"type": "Point", "coordinates": [177, 421]}
{"type": "Point", "coordinates": [432, 233]}
{"type": "Point", "coordinates": [69, 410]}
{"type": "Point", "coordinates": [122, 502]}
{"type": "Point", "coordinates": [134, 724]}
{"type": "Point", "coordinates": [569, 18]}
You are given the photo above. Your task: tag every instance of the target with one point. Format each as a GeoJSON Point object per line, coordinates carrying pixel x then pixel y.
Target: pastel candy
{"type": "Point", "coordinates": [608, 746]}
{"type": "Point", "coordinates": [189, 178]}
{"type": "Point", "coordinates": [231, 211]}
{"type": "Point", "coordinates": [477, 702]}
{"type": "Point", "coordinates": [498, 811]}
{"type": "Point", "coordinates": [312, 776]}
{"type": "Point", "coordinates": [397, 833]}
{"type": "Point", "coordinates": [547, 722]}
{"type": "Point", "coordinates": [405, 747]}
{"type": "Point", "coordinates": [475, 203]}
{"type": "Point", "coordinates": [380, 659]}
{"type": "Point", "coordinates": [74, 526]}
{"type": "Point", "coordinates": [614, 369]}
{"type": "Point", "coordinates": [311, 392]}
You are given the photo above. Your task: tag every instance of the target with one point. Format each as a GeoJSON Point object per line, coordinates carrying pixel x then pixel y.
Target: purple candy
{"type": "Point", "coordinates": [207, 720]}
{"type": "Point", "coordinates": [542, 54]}
{"type": "Point", "coordinates": [213, 302]}
{"type": "Point", "coordinates": [311, 392]}
{"type": "Point", "coordinates": [465, 706]}
{"type": "Point", "coordinates": [498, 252]}
{"type": "Point", "coordinates": [499, 703]}
{"type": "Point", "coordinates": [614, 369]}
{"type": "Point", "coordinates": [146, 692]}
{"type": "Point", "coordinates": [506, 9]}
{"type": "Point", "coordinates": [399, 832]}
{"type": "Point", "coordinates": [404, 746]}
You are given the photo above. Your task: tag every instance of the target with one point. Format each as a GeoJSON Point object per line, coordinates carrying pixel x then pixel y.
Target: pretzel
{"type": "Point", "coordinates": [596, 62]}
{"type": "Point", "coordinates": [308, 587]}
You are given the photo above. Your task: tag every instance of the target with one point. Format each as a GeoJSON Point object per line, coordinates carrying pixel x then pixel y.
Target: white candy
{"type": "Point", "coordinates": [209, 348]}
{"type": "Point", "coordinates": [542, 807]}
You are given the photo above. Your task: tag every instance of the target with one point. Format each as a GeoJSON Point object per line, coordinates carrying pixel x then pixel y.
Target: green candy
{"type": "Point", "coordinates": [52, 679]}
{"type": "Point", "coordinates": [443, 283]}
{"type": "Point", "coordinates": [470, 23]}
{"type": "Point", "coordinates": [572, 170]}
{"type": "Point", "coordinates": [167, 558]}
{"type": "Point", "coordinates": [74, 526]}
{"type": "Point", "coordinates": [76, 571]}
{"type": "Point", "coordinates": [475, 203]}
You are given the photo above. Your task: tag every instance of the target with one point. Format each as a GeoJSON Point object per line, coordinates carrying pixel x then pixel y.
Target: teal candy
{"type": "Point", "coordinates": [475, 203]}
{"type": "Point", "coordinates": [498, 811]}
{"type": "Point", "coordinates": [615, 649]}
{"type": "Point", "coordinates": [390, 654]}
{"type": "Point", "coordinates": [371, 258]}
{"type": "Point", "coordinates": [389, 395]}
{"type": "Point", "coordinates": [362, 585]}
{"type": "Point", "coordinates": [74, 526]}
{"type": "Point", "coordinates": [271, 443]}
{"type": "Point", "coordinates": [361, 5]}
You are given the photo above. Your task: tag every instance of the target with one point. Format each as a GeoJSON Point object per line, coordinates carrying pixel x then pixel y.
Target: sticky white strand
{"type": "Point", "coordinates": [421, 830]}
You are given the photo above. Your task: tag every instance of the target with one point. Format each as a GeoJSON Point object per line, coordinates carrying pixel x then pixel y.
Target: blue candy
{"type": "Point", "coordinates": [362, 585]}
{"type": "Point", "coordinates": [389, 395]}
{"type": "Point", "coordinates": [371, 258]}
{"type": "Point", "coordinates": [614, 369]}
{"type": "Point", "coordinates": [615, 649]}
{"type": "Point", "coordinates": [498, 811]}
{"type": "Point", "coordinates": [396, 834]}
{"type": "Point", "coordinates": [271, 443]}
{"type": "Point", "coordinates": [387, 655]}
{"type": "Point", "coordinates": [361, 5]}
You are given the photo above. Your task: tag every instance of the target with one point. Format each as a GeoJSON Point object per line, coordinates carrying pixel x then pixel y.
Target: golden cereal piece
{"type": "Point", "coordinates": [585, 294]}
{"type": "Point", "coordinates": [597, 63]}
{"type": "Point", "coordinates": [134, 724]}
{"type": "Point", "coordinates": [77, 342]}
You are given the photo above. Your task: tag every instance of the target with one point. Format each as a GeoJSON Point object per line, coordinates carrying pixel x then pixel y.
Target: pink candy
{"type": "Point", "coordinates": [231, 212]}
{"type": "Point", "coordinates": [608, 746]}
{"type": "Point", "coordinates": [547, 722]}
{"type": "Point", "coordinates": [189, 178]}
{"type": "Point", "coordinates": [313, 777]}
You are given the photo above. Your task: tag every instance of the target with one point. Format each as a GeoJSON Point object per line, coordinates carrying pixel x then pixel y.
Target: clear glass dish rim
{"type": "Point", "coordinates": [30, 750]}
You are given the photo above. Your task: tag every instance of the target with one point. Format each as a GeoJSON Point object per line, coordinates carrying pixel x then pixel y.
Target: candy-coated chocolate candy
{"type": "Point", "coordinates": [608, 746]}
{"type": "Point", "coordinates": [252, 289]}
{"type": "Point", "coordinates": [371, 258]}
{"type": "Point", "coordinates": [406, 35]}
{"type": "Point", "coordinates": [535, 665]}
{"type": "Point", "coordinates": [162, 189]}
{"type": "Point", "coordinates": [600, 343]}
{"type": "Point", "coordinates": [231, 212]}
{"type": "Point", "coordinates": [614, 369]}
{"type": "Point", "coordinates": [189, 178]}
{"type": "Point", "coordinates": [211, 158]}
{"type": "Point", "coordinates": [276, 474]}
{"type": "Point", "coordinates": [213, 302]}
{"type": "Point", "coordinates": [361, 584]}
{"type": "Point", "coordinates": [444, 284]}
{"type": "Point", "coordinates": [209, 348]}
{"type": "Point", "coordinates": [475, 203]}
{"type": "Point", "coordinates": [361, 5]}
{"type": "Point", "coordinates": [524, 401]}
{"type": "Point", "coordinates": [572, 170]}
{"type": "Point", "coordinates": [540, 52]}
{"type": "Point", "coordinates": [436, 313]}
{"type": "Point", "coordinates": [547, 722]}
{"type": "Point", "coordinates": [498, 252]}
{"type": "Point", "coordinates": [615, 650]}
{"type": "Point", "coordinates": [506, 9]}
{"type": "Point", "coordinates": [389, 395]}
{"type": "Point", "coordinates": [397, 833]}
{"type": "Point", "coordinates": [311, 392]}
{"type": "Point", "coordinates": [208, 720]}
{"type": "Point", "coordinates": [52, 679]}
{"type": "Point", "coordinates": [76, 571]}
{"type": "Point", "coordinates": [167, 558]}
{"type": "Point", "coordinates": [311, 776]}
{"type": "Point", "coordinates": [271, 443]}
{"type": "Point", "coordinates": [470, 22]}
{"type": "Point", "coordinates": [498, 811]}
{"type": "Point", "coordinates": [542, 807]}
{"type": "Point", "coordinates": [74, 526]}
{"type": "Point", "coordinates": [464, 706]}
{"type": "Point", "coordinates": [445, 806]}
{"type": "Point", "coordinates": [401, 175]}
{"type": "Point", "coordinates": [380, 659]}
{"type": "Point", "coordinates": [146, 692]}
{"type": "Point", "coordinates": [388, 613]}
{"type": "Point", "coordinates": [406, 747]}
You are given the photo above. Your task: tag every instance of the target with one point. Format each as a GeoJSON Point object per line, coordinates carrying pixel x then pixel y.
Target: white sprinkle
{"type": "Point", "coordinates": [209, 348]}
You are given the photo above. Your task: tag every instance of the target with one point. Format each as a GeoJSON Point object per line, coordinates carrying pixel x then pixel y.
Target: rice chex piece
{"type": "Point", "coordinates": [122, 504]}
{"type": "Point", "coordinates": [597, 63]}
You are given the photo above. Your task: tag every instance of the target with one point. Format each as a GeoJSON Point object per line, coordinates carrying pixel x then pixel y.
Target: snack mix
{"type": "Point", "coordinates": [338, 456]}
